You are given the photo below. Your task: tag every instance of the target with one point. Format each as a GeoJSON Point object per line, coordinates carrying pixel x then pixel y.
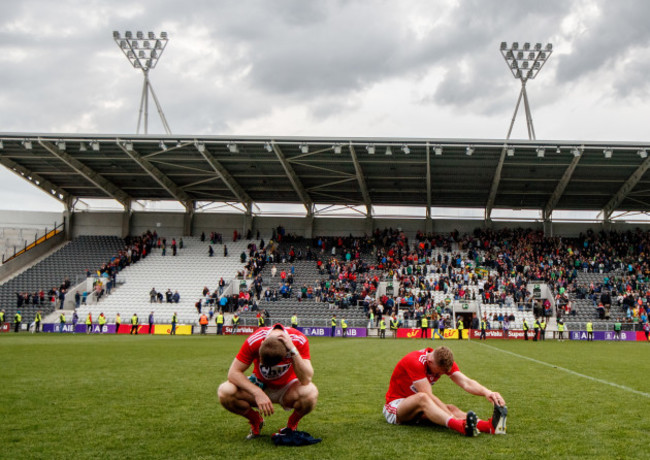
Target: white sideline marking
{"type": "Point", "coordinates": [588, 377]}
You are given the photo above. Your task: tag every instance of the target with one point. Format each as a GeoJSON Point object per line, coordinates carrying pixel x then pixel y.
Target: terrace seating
{"type": "Point", "coordinates": [70, 261]}
{"type": "Point", "coordinates": [187, 273]}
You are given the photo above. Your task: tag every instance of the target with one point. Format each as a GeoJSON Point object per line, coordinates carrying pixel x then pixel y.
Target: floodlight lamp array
{"type": "Point", "coordinates": [525, 62]}
{"type": "Point", "coordinates": [143, 52]}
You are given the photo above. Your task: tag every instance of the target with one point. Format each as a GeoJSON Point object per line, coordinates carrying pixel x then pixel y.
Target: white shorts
{"type": "Point", "coordinates": [276, 395]}
{"type": "Point", "coordinates": [390, 411]}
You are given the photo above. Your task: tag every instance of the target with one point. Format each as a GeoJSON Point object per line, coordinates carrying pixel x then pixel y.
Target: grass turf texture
{"type": "Point", "coordinates": [66, 396]}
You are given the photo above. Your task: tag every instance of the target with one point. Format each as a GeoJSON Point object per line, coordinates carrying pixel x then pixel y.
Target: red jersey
{"type": "Point", "coordinates": [280, 374]}
{"type": "Point", "coordinates": [410, 369]}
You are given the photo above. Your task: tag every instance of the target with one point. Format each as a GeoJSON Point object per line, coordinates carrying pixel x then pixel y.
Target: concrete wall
{"type": "Point", "coordinates": [97, 223]}
{"type": "Point", "coordinates": [30, 219]}
{"type": "Point", "coordinates": [167, 224]}
{"type": "Point", "coordinates": [170, 224]}
{"type": "Point", "coordinates": [12, 266]}
{"type": "Point", "coordinates": [225, 224]}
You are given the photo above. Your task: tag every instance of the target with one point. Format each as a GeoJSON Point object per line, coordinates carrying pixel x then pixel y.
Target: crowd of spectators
{"type": "Point", "coordinates": [491, 266]}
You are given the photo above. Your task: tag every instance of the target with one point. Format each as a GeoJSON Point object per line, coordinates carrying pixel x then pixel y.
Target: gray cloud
{"type": "Point", "coordinates": [616, 40]}
{"type": "Point", "coordinates": [229, 61]}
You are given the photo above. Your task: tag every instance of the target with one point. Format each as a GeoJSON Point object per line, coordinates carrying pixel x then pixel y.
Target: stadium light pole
{"type": "Point", "coordinates": [525, 64]}
{"type": "Point", "coordinates": [143, 53]}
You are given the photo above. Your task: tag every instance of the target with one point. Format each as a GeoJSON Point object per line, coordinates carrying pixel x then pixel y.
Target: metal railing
{"type": "Point", "coordinates": [46, 235]}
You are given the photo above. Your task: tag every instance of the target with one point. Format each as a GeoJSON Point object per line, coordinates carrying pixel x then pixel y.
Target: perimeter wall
{"type": "Point", "coordinates": [171, 224]}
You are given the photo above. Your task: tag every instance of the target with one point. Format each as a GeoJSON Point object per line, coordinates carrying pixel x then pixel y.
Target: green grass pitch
{"type": "Point", "coordinates": [65, 396]}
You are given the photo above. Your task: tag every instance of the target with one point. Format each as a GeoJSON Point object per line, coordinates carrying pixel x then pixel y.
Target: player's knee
{"type": "Point", "coordinates": [308, 395]}
{"type": "Point", "coordinates": [311, 395]}
{"type": "Point", "coordinates": [456, 412]}
{"type": "Point", "coordinates": [422, 399]}
{"type": "Point", "coordinates": [225, 392]}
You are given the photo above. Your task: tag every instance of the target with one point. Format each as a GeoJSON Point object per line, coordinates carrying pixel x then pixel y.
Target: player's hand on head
{"type": "Point", "coordinates": [264, 404]}
{"type": "Point", "coordinates": [285, 339]}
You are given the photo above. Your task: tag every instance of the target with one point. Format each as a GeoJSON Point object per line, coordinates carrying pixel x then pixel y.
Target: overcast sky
{"type": "Point", "coordinates": [411, 68]}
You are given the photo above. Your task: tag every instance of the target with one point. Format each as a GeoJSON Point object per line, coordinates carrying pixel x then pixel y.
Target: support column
{"type": "Point", "coordinates": [248, 220]}
{"type": "Point", "coordinates": [608, 225]}
{"type": "Point", "coordinates": [309, 226]}
{"type": "Point", "coordinates": [369, 225]}
{"type": "Point", "coordinates": [548, 228]}
{"type": "Point", "coordinates": [68, 218]}
{"type": "Point", "coordinates": [188, 218]}
{"type": "Point", "coordinates": [428, 222]}
{"type": "Point", "coordinates": [126, 219]}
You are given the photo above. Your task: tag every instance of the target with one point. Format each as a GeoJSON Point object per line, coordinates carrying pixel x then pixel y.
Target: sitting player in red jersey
{"type": "Point", "coordinates": [282, 375]}
{"type": "Point", "coordinates": [410, 397]}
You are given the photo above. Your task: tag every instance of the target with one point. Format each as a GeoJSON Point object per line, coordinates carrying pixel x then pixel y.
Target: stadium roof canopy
{"type": "Point", "coordinates": [366, 172]}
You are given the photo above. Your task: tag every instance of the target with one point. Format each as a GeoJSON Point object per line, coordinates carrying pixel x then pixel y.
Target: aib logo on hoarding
{"type": "Point", "coordinates": [315, 331]}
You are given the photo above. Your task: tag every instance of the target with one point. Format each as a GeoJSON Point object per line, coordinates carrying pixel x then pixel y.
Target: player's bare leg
{"type": "Point", "coordinates": [421, 405]}
{"type": "Point", "coordinates": [241, 402]}
{"type": "Point", "coordinates": [303, 399]}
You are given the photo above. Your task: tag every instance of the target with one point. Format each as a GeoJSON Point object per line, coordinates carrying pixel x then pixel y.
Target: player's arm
{"type": "Point", "coordinates": [237, 377]}
{"type": "Point", "coordinates": [473, 387]}
{"type": "Point", "coordinates": [302, 367]}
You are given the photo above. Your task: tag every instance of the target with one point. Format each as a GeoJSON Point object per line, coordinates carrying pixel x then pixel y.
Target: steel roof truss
{"type": "Point", "coordinates": [224, 175]}
{"type": "Point", "coordinates": [625, 190]}
{"type": "Point", "coordinates": [561, 186]}
{"type": "Point", "coordinates": [92, 176]}
{"type": "Point", "coordinates": [45, 185]}
{"type": "Point", "coordinates": [329, 184]}
{"type": "Point", "coordinates": [428, 182]}
{"type": "Point", "coordinates": [362, 181]}
{"type": "Point", "coordinates": [295, 181]}
{"type": "Point", "coordinates": [199, 182]}
{"type": "Point", "coordinates": [157, 175]}
{"type": "Point", "coordinates": [495, 184]}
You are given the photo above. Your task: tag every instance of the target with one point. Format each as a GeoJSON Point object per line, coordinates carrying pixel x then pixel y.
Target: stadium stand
{"type": "Point", "coordinates": [187, 273]}
{"type": "Point", "coordinates": [71, 261]}
{"type": "Point", "coordinates": [494, 271]}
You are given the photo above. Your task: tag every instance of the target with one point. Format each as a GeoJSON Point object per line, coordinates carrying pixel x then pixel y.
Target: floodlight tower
{"type": "Point", "coordinates": [525, 64]}
{"type": "Point", "coordinates": [143, 53]}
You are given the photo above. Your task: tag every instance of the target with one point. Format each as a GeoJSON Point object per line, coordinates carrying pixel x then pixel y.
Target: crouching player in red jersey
{"type": "Point", "coordinates": [410, 397]}
{"type": "Point", "coordinates": [282, 375]}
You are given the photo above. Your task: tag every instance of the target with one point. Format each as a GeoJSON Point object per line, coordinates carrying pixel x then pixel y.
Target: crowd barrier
{"type": "Point", "coordinates": [627, 336]}
{"type": "Point", "coordinates": [158, 329]}
{"type": "Point", "coordinates": [406, 333]}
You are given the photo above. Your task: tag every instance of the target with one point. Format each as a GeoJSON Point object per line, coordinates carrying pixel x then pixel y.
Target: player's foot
{"type": "Point", "coordinates": [256, 428]}
{"type": "Point", "coordinates": [470, 424]}
{"type": "Point", "coordinates": [284, 431]}
{"type": "Point", "coordinates": [499, 419]}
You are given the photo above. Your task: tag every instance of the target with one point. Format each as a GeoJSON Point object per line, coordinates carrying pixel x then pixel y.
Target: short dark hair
{"type": "Point", "coordinates": [443, 357]}
{"type": "Point", "coordinates": [272, 351]}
